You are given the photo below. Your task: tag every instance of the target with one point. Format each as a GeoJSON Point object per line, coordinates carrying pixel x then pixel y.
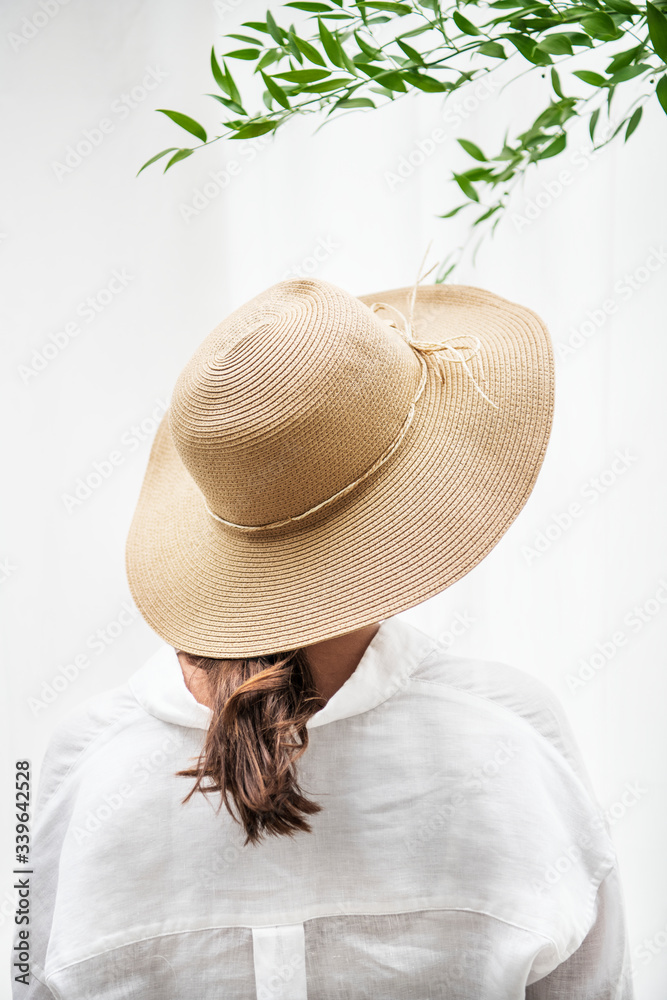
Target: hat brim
{"type": "Point", "coordinates": [418, 524]}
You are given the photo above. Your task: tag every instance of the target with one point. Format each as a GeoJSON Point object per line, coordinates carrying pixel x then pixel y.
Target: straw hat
{"type": "Point", "coordinates": [328, 461]}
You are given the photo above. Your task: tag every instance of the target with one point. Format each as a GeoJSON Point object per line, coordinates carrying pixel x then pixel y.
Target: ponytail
{"type": "Point", "coordinates": [258, 731]}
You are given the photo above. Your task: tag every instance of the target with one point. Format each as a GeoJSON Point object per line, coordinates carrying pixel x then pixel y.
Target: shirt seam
{"type": "Point", "coordinates": [42, 979]}
{"type": "Point", "coordinates": [609, 860]}
{"type": "Point", "coordinates": [106, 728]}
{"type": "Point", "coordinates": [321, 916]}
{"type": "Point", "coordinates": [541, 737]}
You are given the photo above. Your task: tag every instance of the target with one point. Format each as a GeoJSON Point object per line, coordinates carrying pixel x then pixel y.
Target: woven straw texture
{"type": "Point", "coordinates": [290, 399]}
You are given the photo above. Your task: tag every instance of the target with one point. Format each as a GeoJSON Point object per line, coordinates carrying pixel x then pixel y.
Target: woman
{"type": "Point", "coordinates": [399, 822]}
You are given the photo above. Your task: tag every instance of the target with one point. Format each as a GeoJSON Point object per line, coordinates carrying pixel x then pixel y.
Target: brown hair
{"type": "Point", "coordinates": [258, 731]}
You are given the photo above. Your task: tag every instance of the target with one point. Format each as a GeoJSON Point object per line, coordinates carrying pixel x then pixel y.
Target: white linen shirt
{"type": "Point", "coordinates": [460, 852]}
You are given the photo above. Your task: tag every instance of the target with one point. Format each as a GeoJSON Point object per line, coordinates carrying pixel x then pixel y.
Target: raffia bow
{"type": "Point", "coordinates": [404, 325]}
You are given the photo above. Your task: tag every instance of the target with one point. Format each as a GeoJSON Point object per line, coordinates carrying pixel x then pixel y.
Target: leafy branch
{"type": "Point", "coordinates": [344, 65]}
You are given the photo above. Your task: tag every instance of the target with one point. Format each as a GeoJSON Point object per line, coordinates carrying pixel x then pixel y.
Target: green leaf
{"type": "Point", "coordinates": [634, 122]}
{"type": "Point", "coordinates": [532, 138]}
{"type": "Point", "coordinates": [661, 92]}
{"type": "Point", "coordinates": [443, 275]}
{"type": "Point", "coordinates": [618, 128]}
{"type": "Point", "coordinates": [411, 53]}
{"type": "Point", "coordinates": [454, 211]}
{"type": "Point", "coordinates": [270, 56]}
{"type": "Point", "coordinates": [369, 69]}
{"type": "Point", "coordinates": [313, 8]}
{"type": "Point", "coordinates": [623, 59]}
{"type": "Point", "coordinates": [505, 174]}
{"type": "Point", "coordinates": [592, 123]}
{"type": "Point", "coordinates": [396, 8]}
{"type": "Point", "coordinates": [593, 79]}
{"type": "Point", "coordinates": [347, 63]}
{"type": "Point", "coordinates": [556, 45]}
{"type": "Point", "coordinates": [276, 91]}
{"type": "Point", "coordinates": [304, 75]}
{"type": "Point", "coordinates": [466, 26]}
{"type": "Point", "coordinates": [623, 6]}
{"type": "Point", "coordinates": [232, 89]}
{"type": "Point", "coordinates": [553, 149]}
{"type": "Point", "coordinates": [508, 154]}
{"type": "Point", "coordinates": [629, 72]}
{"type": "Point", "coordinates": [610, 93]}
{"type": "Point", "coordinates": [330, 44]}
{"type": "Point", "coordinates": [217, 73]}
{"type": "Point", "coordinates": [555, 83]}
{"type": "Point", "coordinates": [368, 50]}
{"type": "Point", "coordinates": [355, 102]}
{"type": "Point", "coordinates": [276, 33]}
{"type": "Point", "coordinates": [492, 49]}
{"type": "Point", "coordinates": [486, 215]}
{"type": "Point", "coordinates": [579, 38]}
{"type": "Point", "coordinates": [472, 149]}
{"type": "Point", "coordinates": [477, 174]}
{"type": "Point", "coordinates": [189, 124]}
{"type": "Point", "coordinates": [555, 114]}
{"type": "Point", "coordinates": [391, 80]}
{"type": "Point", "coordinates": [256, 26]}
{"type": "Point", "coordinates": [309, 51]}
{"type": "Point", "coordinates": [254, 129]}
{"type": "Point", "coordinates": [529, 50]}
{"type": "Point", "coordinates": [414, 32]}
{"type": "Point", "coordinates": [657, 29]}
{"type": "Point", "coordinates": [154, 158]}
{"type": "Point", "coordinates": [326, 85]}
{"type": "Point", "coordinates": [232, 105]}
{"type": "Point", "coordinates": [443, 271]}
{"type": "Point", "coordinates": [601, 26]}
{"type": "Point", "coordinates": [293, 47]}
{"type": "Point", "coordinates": [245, 38]}
{"type": "Point", "coordinates": [243, 54]}
{"type": "Point", "coordinates": [180, 155]}
{"type": "Point", "coordinates": [466, 187]}
{"type": "Point", "coordinates": [426, 83]}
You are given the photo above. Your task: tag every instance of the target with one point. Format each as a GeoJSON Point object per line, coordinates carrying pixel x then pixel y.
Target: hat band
{"type": "Point", "coordinates": [421, 350]}
{"type": "Point", "coordinates": [386, 454]}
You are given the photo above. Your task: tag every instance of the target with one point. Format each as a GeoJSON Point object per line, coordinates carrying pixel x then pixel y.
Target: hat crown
{"type": "Point", "coordinates": [291, 398]}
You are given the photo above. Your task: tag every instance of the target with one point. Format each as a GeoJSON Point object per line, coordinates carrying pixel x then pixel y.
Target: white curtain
{"type": "Point", "coordinates": [111, 281]}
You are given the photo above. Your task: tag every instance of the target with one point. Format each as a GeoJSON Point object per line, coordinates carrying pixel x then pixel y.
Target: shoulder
{"type": "Point", "coordinates": [536, 808]}
{"type": "Point", "coordinates": [524, 699]}
{"type": "Point", "coordinates": [81, 730]}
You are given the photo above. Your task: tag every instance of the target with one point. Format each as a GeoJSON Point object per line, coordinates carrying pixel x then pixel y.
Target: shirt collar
{"type": "Point", "coordinates": [391, 656]}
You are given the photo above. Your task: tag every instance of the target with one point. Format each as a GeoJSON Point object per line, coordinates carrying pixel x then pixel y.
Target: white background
{"type": "Point", "coordinates": [63, 237]}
